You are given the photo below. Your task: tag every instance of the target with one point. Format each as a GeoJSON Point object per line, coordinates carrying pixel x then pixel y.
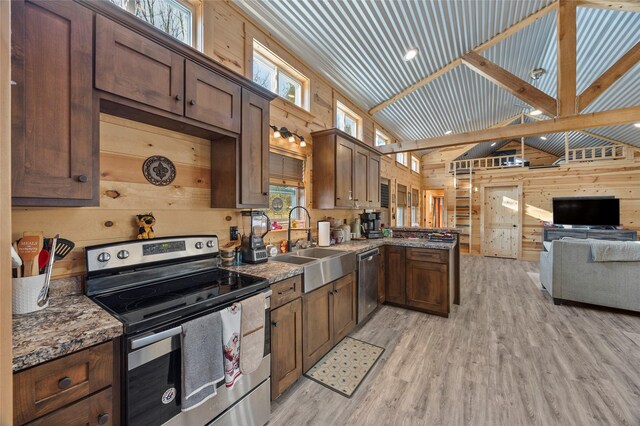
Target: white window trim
{"type": "Point", "coordinates": [288, 70]}
{"type": "Point", "coordinates": [413, 157]}
{"type": "Point", "coordinates": [348, 111]}
{"type": "Point", "coordinates": [383, 136]}
{"type": "Point", "coordinates": [405, 159]}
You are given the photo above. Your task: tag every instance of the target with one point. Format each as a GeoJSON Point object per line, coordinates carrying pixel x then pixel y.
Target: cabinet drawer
{"type": "Point", "coordinates": [94, 410]}
{"type": "Point", "coordinates": [47, 387]}
{"type": "Point", "coordinates": [285, 291]}
{"type": "Point", "coordinates": [428, 255]}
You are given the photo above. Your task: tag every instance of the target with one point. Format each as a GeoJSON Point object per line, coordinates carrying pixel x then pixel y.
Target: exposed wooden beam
{"type": "Point", "coordinates": [614, 117]}
{"type": "Point", "coordinates": [628, 5]}
{"type": "Point", "coordinates": [610, 76]}
{"type": "Point", "coordinates": [512, 83]}
{"type": "Point", "coordinates": [480, 48]}
{"type": "Point", "coordinates": [566, 57]}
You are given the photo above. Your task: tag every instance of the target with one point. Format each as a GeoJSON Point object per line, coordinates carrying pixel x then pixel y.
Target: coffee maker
{"type": "Point", "coordinates": [252, 246]}
{"type": "Point", "coordinates": [370, 224]}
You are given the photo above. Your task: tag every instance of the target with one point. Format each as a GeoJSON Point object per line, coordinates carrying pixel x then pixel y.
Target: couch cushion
{"type": "Point", "coordinates": [614, 251]}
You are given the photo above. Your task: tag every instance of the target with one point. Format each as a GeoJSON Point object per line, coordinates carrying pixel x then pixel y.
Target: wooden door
{"type": "Point", "coordinates": [134, 67]}
{"type": "Point", "coordinates": [345, 158]}
{"type": "Point", "coordinates": [317, 325]}
{"type": "Point", "coordinates": [286, 346]}
{"type": "Point", "coordinates": [500, 221]}
{"type": "Point", "coordinates": [361, 178]}
{"type": "Point", "coordinates": [395, 275]}
{"type": "Point", "coordinates": [344, 306]}
{"type": "Point", "coordinates": [211, 98]}
{"type": "Point", "coordinates": [54, 152]}
{"type": "Point", "coordinates": [427, 286]}
{"type": "Point", "coordinates": [254, 151]}
{"type": "Point", "coordinates": [374, 181]}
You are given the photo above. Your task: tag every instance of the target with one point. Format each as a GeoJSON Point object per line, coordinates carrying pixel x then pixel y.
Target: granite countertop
{"type": "Point", "coordinates": [68, 324]}
{"type": "Point", "coordinates": [271, 270]}
{"type": "Point", "coordinates": [414, 229]}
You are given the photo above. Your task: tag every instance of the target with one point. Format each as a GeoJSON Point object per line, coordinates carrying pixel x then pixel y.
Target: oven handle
{"type": "Point", "coordinates": [153, 338]}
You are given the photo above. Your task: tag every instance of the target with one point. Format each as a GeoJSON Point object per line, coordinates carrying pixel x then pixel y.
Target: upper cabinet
{"type": "Point", "coordinates": [346, 172]}
{"type": "Point", "coordinates": [254, 151]}
{"type": "Point", "coordinates": [54, 146]}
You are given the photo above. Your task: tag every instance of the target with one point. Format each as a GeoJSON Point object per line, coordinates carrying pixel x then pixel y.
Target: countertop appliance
{"type": "Point", "coordinates": [370, 224]}
{"type": "Point", "coordinates": [154, 286]}
{"type": "Point", "coordinates": [252, 246]}
{"type": "Point", "coordinates": [368, 264]}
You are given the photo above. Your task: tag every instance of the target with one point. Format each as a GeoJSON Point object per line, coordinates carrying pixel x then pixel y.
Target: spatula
{"type": "Point", "coordinates": [28, 249]}
{"type": "Point", "coordinates": [63, 248]}
{"type": "Point", "coordinates": [35, 269]}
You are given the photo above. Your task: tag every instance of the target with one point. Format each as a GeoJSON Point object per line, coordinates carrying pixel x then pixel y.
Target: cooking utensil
{"type": "Point", "coordinates": [43, 259]}
{"type": "Point", "coordinates": [43, 296]}
{"type": "Point", "coordinates": [63, 248]}
{"type": "Point", "coordinates": [28, 250]}
{"type": "Point", "coordinates": [16, 261]}
{"type": "Point", "coordinates": [35, 270]}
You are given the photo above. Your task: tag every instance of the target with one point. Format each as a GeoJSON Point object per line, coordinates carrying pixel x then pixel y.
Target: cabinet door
{"type": "Point", "coordinates": [134, 67]}
{"type": "Point", "coordinates": [254, 151]}
{"type": "Point", "coordinates": [317, 325]}
{"type": "Point", "coordinates": [211, 98]}
{"type": "Point", "coordinates": [374, 181]}
{"type": "Point", "coordinates": [427, 286]}
{"type": "Point", "coordinates": [395, 275]}
{"type": "Point", "coordinates": [360, 180]}
{"type": "Point", "coordinates": [286, 346]}
{"type": "Point", "coordinates": [344, 306]}
{"type": "Point", "coordinates": [345, 157]}
{"type": "Point", "coordinates": [92, 411]}
{"type": "Point", "coordinates": [381, 275]}
{"type": "Point", "coordinates": [54, 152]}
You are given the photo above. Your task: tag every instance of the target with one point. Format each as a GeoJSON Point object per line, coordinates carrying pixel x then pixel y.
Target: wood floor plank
{"type": "Point", "coordinates": [506, 356]}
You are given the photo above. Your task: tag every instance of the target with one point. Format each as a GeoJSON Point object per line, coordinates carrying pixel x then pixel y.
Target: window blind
{"type": "Point", "coordinates": [414, 197]}
{"type": "Point", "coordinates": [402, 196]}
{"type": "Point", "coordinates": [284, 168]}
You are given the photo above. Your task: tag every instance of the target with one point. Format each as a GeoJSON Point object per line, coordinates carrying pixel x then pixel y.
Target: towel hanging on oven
{"type": "Point", "coordinates": [231, 320]}
{"type": "Point", "coordinates": [252, 339]}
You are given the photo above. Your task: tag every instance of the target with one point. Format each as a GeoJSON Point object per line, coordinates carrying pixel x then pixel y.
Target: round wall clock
{"type": "Point", "coordinates": [159, 170]}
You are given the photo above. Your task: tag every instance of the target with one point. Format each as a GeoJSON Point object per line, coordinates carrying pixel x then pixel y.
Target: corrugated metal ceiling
{"type": "Point", "coordinates": [358, 46]}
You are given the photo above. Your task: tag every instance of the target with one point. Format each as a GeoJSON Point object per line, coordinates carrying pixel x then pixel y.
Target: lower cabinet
{"type": "Point", "coordinates": [427, 287]}
{"type": "Point", "coordinates": [328, 315]}
{"type": "Point", "coordinates": [394, 275]}
{"type": "Point", "coordinates": [286, 346]}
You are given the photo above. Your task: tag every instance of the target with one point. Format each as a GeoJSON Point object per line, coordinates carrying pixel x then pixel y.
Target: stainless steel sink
{"type": "Point", "coordinates": [320, 266]}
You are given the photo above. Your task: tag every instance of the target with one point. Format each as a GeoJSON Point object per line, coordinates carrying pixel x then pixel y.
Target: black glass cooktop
{"type": "Point", "coordinates": [177, 298]}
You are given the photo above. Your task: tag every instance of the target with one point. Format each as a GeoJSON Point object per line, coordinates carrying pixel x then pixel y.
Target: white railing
{"type": "Point", "coordinates": [594, 153]}
{"type": "Point", "coordinates": [498, 162]}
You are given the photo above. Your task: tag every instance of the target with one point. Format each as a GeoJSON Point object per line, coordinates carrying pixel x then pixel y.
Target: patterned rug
{"type": "Point", "coordinates": [345, 366]}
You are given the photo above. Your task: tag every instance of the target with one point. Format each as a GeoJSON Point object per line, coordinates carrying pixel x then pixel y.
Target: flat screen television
{"type": "Point", "coordinates": [586, 211]}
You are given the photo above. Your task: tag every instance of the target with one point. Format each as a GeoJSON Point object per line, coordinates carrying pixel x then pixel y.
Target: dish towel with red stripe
{"type": "Point", "coordinates": [231, 320]}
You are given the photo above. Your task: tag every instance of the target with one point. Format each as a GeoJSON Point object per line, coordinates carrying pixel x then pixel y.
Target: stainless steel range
{"type": "Point", "coordinates": [154, 286]}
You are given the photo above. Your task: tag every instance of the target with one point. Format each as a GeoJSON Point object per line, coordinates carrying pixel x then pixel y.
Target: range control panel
{"type": "Point", "coordinates": [130, 254]}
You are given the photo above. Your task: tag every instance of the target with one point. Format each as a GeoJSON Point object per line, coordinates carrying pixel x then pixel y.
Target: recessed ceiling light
{"type": "Point", "coordinates": [410, 54]}
{"type": "Point", "coordinates": [535, 112]}
{"type": "Point", "coordinates": [637, 125]}
{"type": "Point", "coordinates": [493, 144]}
{"type": "Point", "coordinates": [448, 132]}
{"type": "Point", "coordinates": [544, 138]}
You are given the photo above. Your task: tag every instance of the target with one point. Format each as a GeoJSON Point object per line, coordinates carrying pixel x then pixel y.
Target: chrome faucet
{"type": "Point", "coordinates": [289, 226]}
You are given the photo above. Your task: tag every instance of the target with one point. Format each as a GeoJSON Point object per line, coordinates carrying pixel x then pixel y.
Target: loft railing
{"type": "Point", "coordinates": [594, 153]}
{"type": "Point", "coordinates": [498, 162]}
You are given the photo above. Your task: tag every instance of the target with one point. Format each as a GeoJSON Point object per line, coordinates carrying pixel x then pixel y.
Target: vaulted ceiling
{"type": "Point", "coordinates": [359, 45]}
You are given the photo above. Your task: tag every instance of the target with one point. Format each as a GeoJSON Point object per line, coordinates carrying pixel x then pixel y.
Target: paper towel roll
{"type": "Point", "coordinates": [324, 234]}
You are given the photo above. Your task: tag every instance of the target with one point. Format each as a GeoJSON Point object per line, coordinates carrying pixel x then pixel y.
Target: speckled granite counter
{"type": "Point", "coordinates": [273, 271]}
{"type": "Point", "coordinates": [68, 324]}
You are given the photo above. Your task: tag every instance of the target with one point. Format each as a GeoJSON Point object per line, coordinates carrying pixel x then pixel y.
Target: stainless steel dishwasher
{"type": "Point", "coordinates": [368, 263]}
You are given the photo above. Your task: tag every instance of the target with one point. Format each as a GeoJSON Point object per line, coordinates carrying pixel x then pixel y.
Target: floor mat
{"type": "Point", "coordinates": [345, 366]}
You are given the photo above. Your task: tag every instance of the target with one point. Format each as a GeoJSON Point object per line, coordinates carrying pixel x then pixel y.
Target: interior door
{"type": "Point", "coordinates": [501, 217]}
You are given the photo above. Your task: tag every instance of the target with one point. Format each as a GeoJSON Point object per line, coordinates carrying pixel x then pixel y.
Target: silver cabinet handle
{"type": "Point", "coordinates": [153, 338]}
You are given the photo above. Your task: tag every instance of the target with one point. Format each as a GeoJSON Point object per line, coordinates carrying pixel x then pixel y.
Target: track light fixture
{"type": "Point", "coordinates": [283, 132]}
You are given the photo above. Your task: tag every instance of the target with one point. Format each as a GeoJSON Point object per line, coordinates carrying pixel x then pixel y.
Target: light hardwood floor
{"type": "Point", "coordinates": [506, 356]}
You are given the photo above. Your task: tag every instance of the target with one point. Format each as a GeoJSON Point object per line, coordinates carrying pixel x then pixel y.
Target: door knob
{"type": "Point", "coordinates": [103, 418]}
{"type": "Point", "coordinates": [192, 102]}
{"type": "Point", "coordinates": [82, 178]}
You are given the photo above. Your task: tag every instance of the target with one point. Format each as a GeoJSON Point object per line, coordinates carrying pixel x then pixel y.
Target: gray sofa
{"type": "Point", "coordinates": [568, 272]}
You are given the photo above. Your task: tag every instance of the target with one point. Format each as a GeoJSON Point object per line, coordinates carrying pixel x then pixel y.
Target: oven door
{"type": "Point", "coordinates": [153, 379]}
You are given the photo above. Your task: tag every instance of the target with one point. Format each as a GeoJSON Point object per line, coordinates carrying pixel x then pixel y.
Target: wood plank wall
{"type": "Point", "coordinates": [183, 207]}
{"type": "Point", "coordinates": [620, 178]}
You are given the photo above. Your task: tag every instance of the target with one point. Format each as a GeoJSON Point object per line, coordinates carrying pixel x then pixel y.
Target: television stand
{"type": "Point", "coordinates": [598, 233]}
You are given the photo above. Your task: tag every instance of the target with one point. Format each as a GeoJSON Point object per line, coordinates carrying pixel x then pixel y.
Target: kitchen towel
{"type": "Point", "coordinates": [252, 327]}
{"type": "Point", "coordinates": [202, 364]}
{"type": "Point", "coordinates": [231, 319]}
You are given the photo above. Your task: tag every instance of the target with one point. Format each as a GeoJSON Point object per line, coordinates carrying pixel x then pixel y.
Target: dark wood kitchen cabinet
{"type": "Point", "coordinates": [212, 99]}
{"type": "Point", "coordinates": [395, 275]}
{"type": "Point", "coordinates": [286, 334]}
{"type": "Point", "coordinates": [427, 287]}
{"type": "Point", "coordinates": [54, 143]}
{"type": "Point", "coordinates": [134, 67]}
{"type": "Point", "coordinates": [346, 172]}
{"type": "Point", "coordinates": [382, 274]}
{"type": "Point", "coordinates": [80, 388]}
{"type": "Point", "coordinates": [254, 151]}
{"type": "Point", "coordinates": [328, 315]}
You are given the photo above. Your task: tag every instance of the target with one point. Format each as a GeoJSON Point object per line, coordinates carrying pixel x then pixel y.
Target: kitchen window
{"type": "Point", "coordinates": [381, 138]}
{"type": "Point", "coordinates": [274, 74]}
{"type": "Point", "coordinates": [415, 164]}
{"type": "Point", "coordinates": [175, 17]}
{"type": "Point", "coordinates": [402, 158]}
{"type": "Point", "coordinates": [401, 205]}
{"type": "Point", "coordinates": [347, 120]}
{"type": "Point", "coordinates": [286, 190]}
{"type": "Point", "coordinates": [414, 201]}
